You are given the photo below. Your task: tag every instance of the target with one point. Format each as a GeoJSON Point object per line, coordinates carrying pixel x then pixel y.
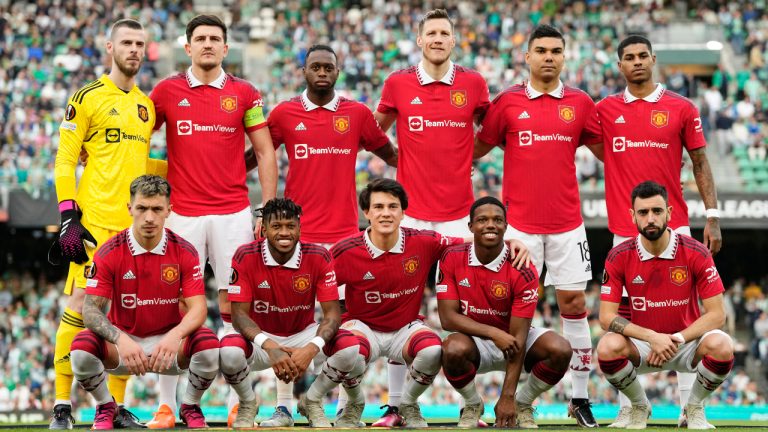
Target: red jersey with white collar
{"type": "Point", "coordinates": [322, 144]}
{"type": "Point", "coordinates": [540, 134]}
{"type": "Point", "coordinates": [205, 132]}
{"type": "Point", "coordinates": [489, 293]}
{"type": "Point", "coordinates": [282, 295]}
{"type": "Point", "coordinates": [435, 137]}
{"type": "Point", "coordinates": [643, 140]}
{"type": "Point", "coordinates": [664, 291]}
{"type": "Point", "coordinates": [145, 286]}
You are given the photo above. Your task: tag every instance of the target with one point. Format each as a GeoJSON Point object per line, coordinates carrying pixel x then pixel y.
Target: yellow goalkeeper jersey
{"type": "Point", "coordinates": [114, 127]}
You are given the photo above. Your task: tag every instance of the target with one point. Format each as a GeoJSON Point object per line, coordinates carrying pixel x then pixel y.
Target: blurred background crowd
{"type": "Point", "coordinates": [50, 48]}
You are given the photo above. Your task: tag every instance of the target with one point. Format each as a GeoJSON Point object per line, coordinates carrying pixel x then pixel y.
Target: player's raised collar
{"type": "Point", "coordinates": [218, 82]}
{"type": "Point", "coordinates": [425, 79]}
{"type": "Point", "coordinates": [293, 263]}
{"type": "Point", "coordinates": [495, 265]}
{"type": "Point", "coordinates": [333, 105]}
{"type": "Point", "coordinates": [136, 248]}
{"type": "Point", "coordinates": [532, 93]}
{"type": "Point", "coordinates": [652, 98]}
{"type": "Point", "coordinates": [669, 252]}
{"type": "Point", "coordinates": [375, 252]}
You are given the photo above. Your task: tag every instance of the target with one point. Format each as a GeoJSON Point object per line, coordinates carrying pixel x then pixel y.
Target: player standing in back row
{"type": "Point", "coordinates": [540, 124]}
{"type": "Point", "coordinates": [435, 104]}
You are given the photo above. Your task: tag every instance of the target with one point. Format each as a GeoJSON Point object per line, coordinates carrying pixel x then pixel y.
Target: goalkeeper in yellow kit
{"type": "Point", "coordinates": [112, 120]}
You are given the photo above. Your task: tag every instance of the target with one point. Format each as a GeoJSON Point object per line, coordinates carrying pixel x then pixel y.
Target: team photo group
{"type": "Point", "coordinates": [302, 290]}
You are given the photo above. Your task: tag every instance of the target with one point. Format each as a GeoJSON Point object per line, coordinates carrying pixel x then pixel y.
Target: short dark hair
{"type": "Point", "coordinates": [483, 201]}
{"type": "Point", "coordinates": [383, 185]}
{"type": "Point", "coordinates": [150, 185]}
{"type": "Point", "coordinates": [435, 14]}
{"type": "Point", "coordinates": [545, 31]}
{"type": "Point", "coordinates": [319, 47]}
{"type": "Point", "coordinates": [648, 189]}
{"type": "Point", "coordinates": [205, 20]}
{"type": "Point", "coordinates": [631, 40]}
{"type": "Point", "coordinates": [127, 22]}
{"type": "Point", "coordinates": [283, 208]}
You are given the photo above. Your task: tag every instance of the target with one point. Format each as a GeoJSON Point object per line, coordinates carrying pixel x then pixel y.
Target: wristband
{"type": "Point", "coordinates": [679, 336]}
{"type": "Point", "coordinates": [318, 341]}
{"type": "Point", "coordinates": [260, 339]}
{"type": "Point", "coordinates": [67, 205]}
{"type": "Point", "coordinates": [713, 213]}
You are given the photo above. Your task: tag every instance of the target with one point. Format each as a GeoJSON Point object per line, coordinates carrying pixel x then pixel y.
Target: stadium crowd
{"type": "Point", "coordinates": [49, 49]}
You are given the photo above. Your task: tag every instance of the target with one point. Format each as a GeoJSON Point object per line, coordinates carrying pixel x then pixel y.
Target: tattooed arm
{"type": "Point", "coordinates": [702, 172]}
{"type": "Point", "coordinates": [95, 318]}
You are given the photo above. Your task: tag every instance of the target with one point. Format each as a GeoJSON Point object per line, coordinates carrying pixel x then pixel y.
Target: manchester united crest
{"type": "Point", "coordinates": [341, 124]}
{"type": "Point", "coordinates": [459, 98]}
{"type": "Point", "coordinates": [169, 273]}
{"type": "Point", "coordinates": [410, 265]}
{"type": "Point", "coordinates": [143, 113]}
{"type": "Point", "coordinates": [499, 290]}
{"type": "Point", "coordinates": [659, 118]}
{"type": "Point", "coordinates": [301, 283]}
{"type": "Point", "coordinates": [229, 103]}
{"type": "Point", "coordinates": [567, 113]}
{"type": "Point", "coordinates": [678, 275]}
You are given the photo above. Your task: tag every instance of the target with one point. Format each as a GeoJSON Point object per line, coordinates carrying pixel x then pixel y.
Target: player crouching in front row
{"type": "Point", "coordinates": [145, 269]}
{"type": "Point", "coordinates": [273, 287]}
{"type": "Point", "coordinates": [489, 304]}
{"type": "Point", "coordinates": [665, 275]}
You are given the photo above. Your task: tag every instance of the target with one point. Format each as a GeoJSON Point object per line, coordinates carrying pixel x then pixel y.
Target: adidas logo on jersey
{"type": "Point", "coordinates": [264, 284]}
{"type": "Point", "coordinates": [523, 115]}
{"type": "Point", "coordinates": [129, 275]}
{"type": "Point", "coordinates": [620, 119]}
{"type": "Point", "coordinates": [638, 280]}
{"type": "Point", "coordinates": [184, 103]}
{"type": "Point", "coordinates": [300, 127]}
{"type": "Point", "coordinates": [589, 268]}
{"type": "Point", "coordinates": [113, 112]}
{"type": "Point", "coordinates": [416, 101]}
{"type": "Point", "coordinates": [465, 283]}
{"type": "Point", "coordinates": [368, 276]}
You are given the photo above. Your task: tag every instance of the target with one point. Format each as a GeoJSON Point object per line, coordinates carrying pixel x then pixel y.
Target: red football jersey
{"type": "Point", "coordinates": [540, 134]}
{"type": "Point", "coordinates": [643, 140]}
{"type": "Point", "coordinates": [145, 286]}
{"type": "Point", "coordinates": [283, 296]}
{"type": "Point", "coordinates": [664, 291]}
{"type": "Point", "coordinates": [384, 289]}
{"type": "Point", "coordinates": [488, 293]}
{"type": "Point", "coordinates": [205, 132]}
{"type": "Point", "coordinates": [435, 137]}
{"type": "Point", "coordinates": [322, 145]}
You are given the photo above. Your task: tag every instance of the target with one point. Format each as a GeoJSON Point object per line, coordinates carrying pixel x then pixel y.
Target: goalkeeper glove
{"type": "Point", "coordinates": [73, 236]}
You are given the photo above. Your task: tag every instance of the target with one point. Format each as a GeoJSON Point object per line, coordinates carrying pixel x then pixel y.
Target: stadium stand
{"type": "Point", "coordinates": [48, 49]}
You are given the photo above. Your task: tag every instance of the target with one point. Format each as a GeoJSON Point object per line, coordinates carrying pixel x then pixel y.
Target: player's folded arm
{"type": "Point", "coordinates": [197, 310]}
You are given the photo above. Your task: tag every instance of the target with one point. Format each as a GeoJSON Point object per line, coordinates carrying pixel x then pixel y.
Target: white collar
{"type": "Point", "coordinates": [495, 265]}
{"type": "Point", "coordinates": [218, 82]}
{"type": "Point", "coordinates": [532, 93]}
{"type": "Point", "coordinates": [425, 79]}
{"type": "Point", "coordinates": [669, 252]}
{"type": "Point", "coordinates": [333, 105]}
{"type": "Point", "coordinates": [652, 98]}
{"type": "Point", "coordinates": [375, 252]}
{"type": "Point", "coordinates": [294, 262]}
{"type": "Point", "coordinates": [137, 249]}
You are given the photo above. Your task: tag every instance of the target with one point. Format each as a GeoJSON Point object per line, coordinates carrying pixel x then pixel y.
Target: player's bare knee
{"type": "Point", "coordinates": [612, 345]}
{"type": "Point", "coordinates": [717, 346]}
{"type": "Point", "coordinates": [456, 350]}
{"type": "Point", "coordinates": [560, 353]}
{"type": "Point", "coordinates": [571, 302]}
